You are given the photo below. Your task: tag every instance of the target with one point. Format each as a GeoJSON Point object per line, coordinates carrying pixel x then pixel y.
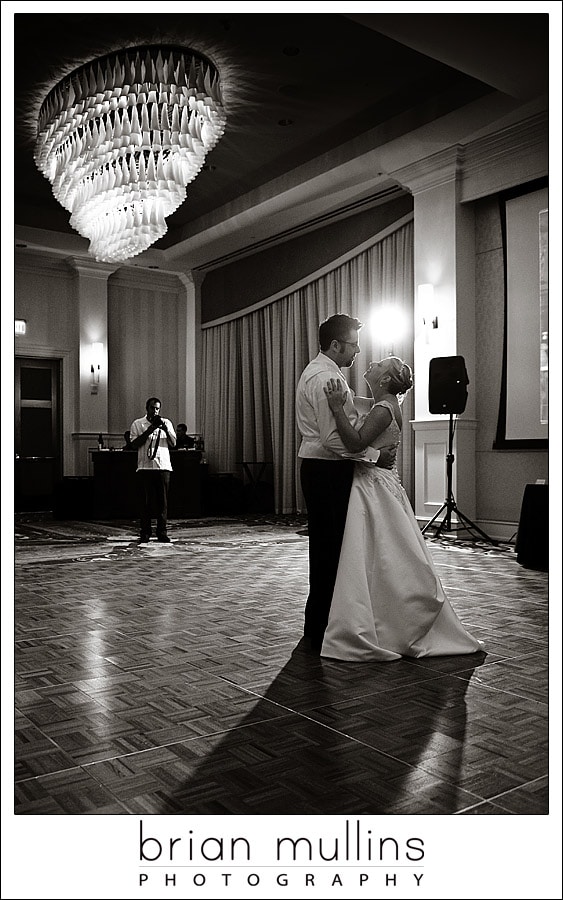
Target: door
{"type": "Point", "coordinates": [37, 433]}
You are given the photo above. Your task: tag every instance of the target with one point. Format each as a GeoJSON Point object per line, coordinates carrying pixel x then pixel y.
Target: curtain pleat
{"type": "Point", "coordinates": [251, 364]}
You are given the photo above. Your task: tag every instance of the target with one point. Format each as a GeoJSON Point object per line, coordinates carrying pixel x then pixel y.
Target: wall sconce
{"type": "Point", "coordinates": [20, 326]}
{"type": "Point", "coordinates": [96, 365]}
{"type": "Point", "coordinates": [426, 303]}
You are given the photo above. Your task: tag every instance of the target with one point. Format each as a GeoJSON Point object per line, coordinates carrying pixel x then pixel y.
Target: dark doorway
{"type": "Point", "coordinates": [38, 433]}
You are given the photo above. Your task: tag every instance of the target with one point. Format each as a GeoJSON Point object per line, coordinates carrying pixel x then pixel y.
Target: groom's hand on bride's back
{"type": "Point", "coordinates": [387, 456]}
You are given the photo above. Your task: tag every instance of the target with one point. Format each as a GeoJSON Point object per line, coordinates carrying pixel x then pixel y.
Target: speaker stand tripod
{"type": "Point", "coordinates": [449, 505]}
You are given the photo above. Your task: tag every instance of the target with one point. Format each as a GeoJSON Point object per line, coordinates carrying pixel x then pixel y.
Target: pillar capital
{"type": "Point", "coordinates": [89, 268]}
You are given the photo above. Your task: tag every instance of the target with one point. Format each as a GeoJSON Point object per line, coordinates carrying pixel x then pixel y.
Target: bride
{"type": "Point", "coordinates": [388, 600]}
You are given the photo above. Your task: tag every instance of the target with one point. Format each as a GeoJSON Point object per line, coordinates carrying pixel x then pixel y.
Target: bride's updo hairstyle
{"type": "Point", "coordinates": [400, 375]}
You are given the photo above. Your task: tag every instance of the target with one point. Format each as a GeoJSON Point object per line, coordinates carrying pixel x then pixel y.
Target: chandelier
{"type": "Point", "coordinates": [121, 137]}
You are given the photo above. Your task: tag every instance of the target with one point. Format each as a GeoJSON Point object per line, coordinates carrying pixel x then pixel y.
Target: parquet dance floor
{"type": "Point", "coordinates": [168, 679]}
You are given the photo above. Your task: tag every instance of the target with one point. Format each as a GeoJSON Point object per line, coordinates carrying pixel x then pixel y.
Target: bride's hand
{"type": "Point", "coordinates": [335, 394]}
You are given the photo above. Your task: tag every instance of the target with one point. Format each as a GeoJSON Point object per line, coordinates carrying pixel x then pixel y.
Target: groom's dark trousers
{"type": "Point", "coordinates": [326, 487]}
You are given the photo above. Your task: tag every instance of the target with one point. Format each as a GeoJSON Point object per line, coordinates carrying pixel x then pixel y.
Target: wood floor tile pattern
{"type": "Point", "coordinates": [169, 679]}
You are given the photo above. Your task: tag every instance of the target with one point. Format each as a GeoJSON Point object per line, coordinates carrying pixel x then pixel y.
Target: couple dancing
{"type": "Point", "coordinates": [374, 593]}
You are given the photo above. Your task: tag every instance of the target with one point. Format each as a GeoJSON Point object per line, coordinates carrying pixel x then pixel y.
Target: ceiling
{"type": "Point", "coordinates": [300, 89]}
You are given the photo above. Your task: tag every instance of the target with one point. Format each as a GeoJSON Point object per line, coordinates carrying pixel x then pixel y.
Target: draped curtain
{"type": "Point", "coordinates": [252, 363]}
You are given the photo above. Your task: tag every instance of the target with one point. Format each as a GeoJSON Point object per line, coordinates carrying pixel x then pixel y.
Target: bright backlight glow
{"type": "Point", "coordinates": [388, 325]}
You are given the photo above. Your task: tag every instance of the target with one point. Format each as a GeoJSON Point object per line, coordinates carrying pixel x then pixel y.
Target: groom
{"type": "Point", "coordinates": [327, 468]}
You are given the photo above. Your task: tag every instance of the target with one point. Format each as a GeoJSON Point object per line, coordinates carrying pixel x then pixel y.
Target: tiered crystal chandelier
{"type": "Point", "coordinates": [121, 137]}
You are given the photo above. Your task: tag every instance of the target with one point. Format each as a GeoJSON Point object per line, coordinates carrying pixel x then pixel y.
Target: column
{"type": "Point", "coordinates": [189, 377]}
{"type": "Point", "coordinates": [444, 257]}
{"type": "Point", "coordinates": [92, 395]}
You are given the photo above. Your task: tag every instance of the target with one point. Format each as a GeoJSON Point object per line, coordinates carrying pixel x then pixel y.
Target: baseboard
{"type": "Point", "coordinates": [504, 532]}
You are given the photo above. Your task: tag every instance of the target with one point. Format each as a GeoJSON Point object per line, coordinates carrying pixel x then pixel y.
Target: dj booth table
{"type": "Point", "coordinates": [116, 490]}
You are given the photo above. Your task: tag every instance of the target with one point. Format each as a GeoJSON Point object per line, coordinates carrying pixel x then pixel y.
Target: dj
{"type": "Point", "coordinates": [153, 437]}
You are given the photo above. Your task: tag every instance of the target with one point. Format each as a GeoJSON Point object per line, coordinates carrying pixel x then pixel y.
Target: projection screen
{"type": "Point", "coordinates": [525, 381]}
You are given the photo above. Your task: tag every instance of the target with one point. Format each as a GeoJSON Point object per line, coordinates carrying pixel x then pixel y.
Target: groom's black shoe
{"type": "Point", "coordinates": [309, 645]}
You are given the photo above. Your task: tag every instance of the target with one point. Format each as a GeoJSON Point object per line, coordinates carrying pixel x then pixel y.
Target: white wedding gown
{"type": "Point", "coordinates": [388, 601]}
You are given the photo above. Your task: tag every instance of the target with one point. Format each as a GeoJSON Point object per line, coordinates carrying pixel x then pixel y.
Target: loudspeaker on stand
{"type": "Point", "coordinates": [447, 385]}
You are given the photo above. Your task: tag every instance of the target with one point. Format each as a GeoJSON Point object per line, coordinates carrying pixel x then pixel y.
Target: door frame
{"type": "Point", "coordinates": [68, 364]}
